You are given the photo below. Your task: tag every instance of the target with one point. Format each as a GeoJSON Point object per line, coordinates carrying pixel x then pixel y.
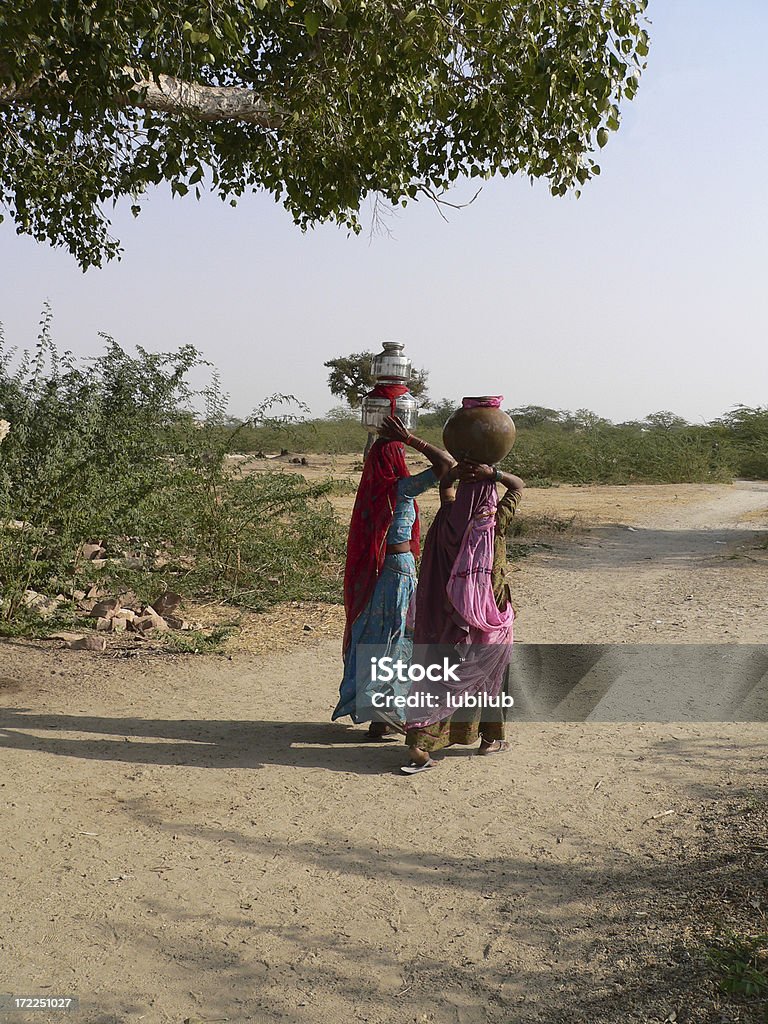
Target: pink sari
{"type": "Point", "coordinates": [470, 587]}
{"type": "Point", "coordinates": [455, 606]}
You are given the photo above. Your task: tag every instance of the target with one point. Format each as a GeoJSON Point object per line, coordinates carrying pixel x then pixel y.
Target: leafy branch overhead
{"type": "Point", "coordinates": [320, 103]}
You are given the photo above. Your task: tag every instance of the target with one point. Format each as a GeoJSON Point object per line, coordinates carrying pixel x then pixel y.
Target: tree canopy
{"type": "Point", "coordinates": [664, 420]}
{"type": "Point", "coordinates": [529, 416]}
{"type": "Point", "coordinates": [351, 378]}
{"type": "Point", "coordinates": [322, 103]}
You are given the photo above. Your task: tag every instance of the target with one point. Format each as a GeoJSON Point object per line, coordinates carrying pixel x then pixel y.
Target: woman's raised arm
{"type": "Point", "coordinates": [393, 429]}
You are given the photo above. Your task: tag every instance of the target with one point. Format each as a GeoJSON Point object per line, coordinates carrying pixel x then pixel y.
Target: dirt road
{"type": "Point", "coordinates": [688, 565]}
{"type": "Point", "coordinates": [191, 838]}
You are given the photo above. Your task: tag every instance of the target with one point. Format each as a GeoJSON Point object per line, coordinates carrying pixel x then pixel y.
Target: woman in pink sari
{"type": "Point", "coordinates": [463, 606]}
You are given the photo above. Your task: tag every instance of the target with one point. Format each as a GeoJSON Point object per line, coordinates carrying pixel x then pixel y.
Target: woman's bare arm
{"type": "Point", "coordinates": [480, 471]}
{"type": "Point", "coordinates": [448, 485]}
{"type": "Point", "coordinates": [393, 429]}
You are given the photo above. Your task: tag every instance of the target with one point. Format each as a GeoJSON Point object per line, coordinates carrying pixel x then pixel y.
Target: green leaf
{"type": "Point", "coordinates": [312, 22]}
{"type": "Point", "coordinates": [384, 111]}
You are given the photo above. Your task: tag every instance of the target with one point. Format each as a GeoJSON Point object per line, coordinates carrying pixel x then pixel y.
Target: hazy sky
{"type": "Point", "coordinates": [650, 292]}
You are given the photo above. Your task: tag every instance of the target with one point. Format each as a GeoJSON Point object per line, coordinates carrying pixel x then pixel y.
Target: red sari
{"type": "Point", "coordinates": [371, 519]}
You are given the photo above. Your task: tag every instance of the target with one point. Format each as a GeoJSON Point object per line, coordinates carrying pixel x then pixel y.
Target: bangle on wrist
{"type": "Point", "coordinates": [497, 474]}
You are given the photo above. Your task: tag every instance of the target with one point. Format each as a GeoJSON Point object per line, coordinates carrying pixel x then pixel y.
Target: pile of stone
{"type": "Point", "coordinates": [97, 557]}
{"type": "Point", "coordinates": [41, 604]}
{"type": "Point", "coordinates": [118, 615]}
{"type": "Point", "coordinates": [124, 614]}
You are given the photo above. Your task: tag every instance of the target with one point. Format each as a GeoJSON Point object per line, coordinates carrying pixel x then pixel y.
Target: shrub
{"type": "Point", "coordinates": [619, 455]}
{"type": "Point", "coordinates": [110, 450]}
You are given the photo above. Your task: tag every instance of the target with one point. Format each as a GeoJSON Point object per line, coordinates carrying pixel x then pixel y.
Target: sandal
{"type": "Point", "coordinates": [494, 747]}
{"type": "Point", "coordinates": [413, 768]}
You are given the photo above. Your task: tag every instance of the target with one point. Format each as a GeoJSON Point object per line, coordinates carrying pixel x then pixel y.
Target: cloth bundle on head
{"type": "Point", "coordinates": [390, 391]}
{"type": "Point", "coordinates": [371, 519]}
{"type": "Point", "coordinates": [489, 402]}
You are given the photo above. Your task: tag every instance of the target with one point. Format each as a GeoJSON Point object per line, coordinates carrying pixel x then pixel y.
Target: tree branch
{"type": "Point", "coordinates": [168, 95]}
{"type": "Point", "coordinates": [205, 102]}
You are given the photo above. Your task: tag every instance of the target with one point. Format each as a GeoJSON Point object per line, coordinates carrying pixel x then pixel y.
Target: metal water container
{"type": "Point", "coordinates": [390, 366]}
{"type": "Point", "coordinates": [391, 363]}
{"type": "Point", "coordinates": [375, 409]}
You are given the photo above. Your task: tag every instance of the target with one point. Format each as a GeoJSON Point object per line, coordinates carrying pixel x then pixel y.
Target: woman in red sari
{"type": "Point", "coordinates": [380, 571]}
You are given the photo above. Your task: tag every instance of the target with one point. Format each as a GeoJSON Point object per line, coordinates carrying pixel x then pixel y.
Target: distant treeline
{"type": "Point", "coordinates": [558, 446]}
{"type": "Point", "coordinates": [119, 449]}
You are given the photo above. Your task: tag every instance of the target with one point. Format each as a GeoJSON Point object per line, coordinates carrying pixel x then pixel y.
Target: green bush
{"type": "Point", "coordinates": [253, 540]}
{"type": "Point", "coordinates": [576, 448]}
{"type": "Point", "coordinates": [746, 430]}
{"type": "Point", "coordinates": [109, 450]}
{"type": "Point", "coordinates": [620, 455]}
{"type": "Point", "coordinates": [741, 965]}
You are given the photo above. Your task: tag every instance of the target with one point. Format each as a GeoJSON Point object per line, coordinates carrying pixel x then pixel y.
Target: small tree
{"type": "Point", "coordinates": [351, 378]}
{"type": "Point", "coordinates": [341, 414]}
{"type": "Point", "coordinates": [439, 412]}
{"type": "Point", "coordinates": [745, 423]}
{"type": "Point", "coordinates": [528, 416]}
{"type": "Point", "coordinates": [664, 420]}
{"type": "Point", "coordinates": [747, 429]}
{"type": "Point", "coordinates": [584, 419]}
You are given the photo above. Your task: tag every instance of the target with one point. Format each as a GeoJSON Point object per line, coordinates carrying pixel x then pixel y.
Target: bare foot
{"type": "Point", "coordinates": [419, 756]}
{"type": "Point", "coordinates": [494, 747]}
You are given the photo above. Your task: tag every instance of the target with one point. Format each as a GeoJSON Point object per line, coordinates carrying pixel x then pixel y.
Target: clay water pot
{"type": "Point", "coordinates": [482, 433]}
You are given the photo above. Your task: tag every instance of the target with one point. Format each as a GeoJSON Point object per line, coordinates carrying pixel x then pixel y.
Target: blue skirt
{"type": "Point", "coordinates": [381, 624]}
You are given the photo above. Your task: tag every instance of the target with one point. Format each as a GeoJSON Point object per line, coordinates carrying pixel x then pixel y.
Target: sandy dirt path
{"type": "Point", "coordinates": [691, 569]}
{"type": "Point", "coordinates": [191, 839]}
